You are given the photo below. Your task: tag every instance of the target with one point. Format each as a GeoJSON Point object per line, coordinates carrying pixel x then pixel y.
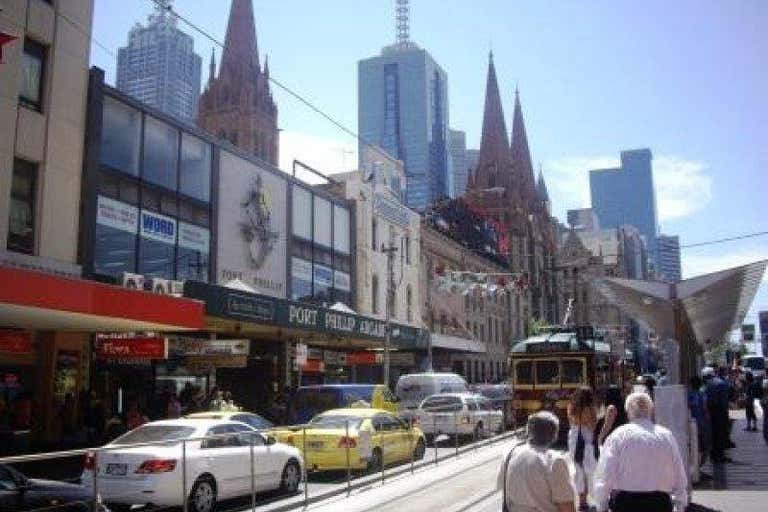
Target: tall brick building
{"type": "Point", "coordinates": [237, 105]}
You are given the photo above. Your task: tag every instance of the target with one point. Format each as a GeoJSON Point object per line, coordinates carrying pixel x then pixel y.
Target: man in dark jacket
{"type": "Point", "coordinates": [717, 391]}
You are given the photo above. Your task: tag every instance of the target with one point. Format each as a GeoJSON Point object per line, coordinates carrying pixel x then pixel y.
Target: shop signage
{"type": "Point", "coordinates": [185, 347]}
{"type": "Point", "coordinates": [194, 238]}
{"type": "Point", "coordinates": [313, 366]}
{"type": "Point", "coordinates": [159, 228]}
{"type": "Point", "coordinates": [252, 225]}
{"type": "Point", "coordinates": [301, 354]}
{"type": "Point", "coordinates": [15, 342]}
{"type": "Point", "coordinates": [341, 281]}
{"type": "Point", "coordinates": [390, 210]}
{"type": "Point", "coordinates": [314, 353]}
{"type": "Point", "coordinates": [131, 348]}
{"type": "Point", "coordinates": [373, 358]}
{"type": "Point", "coordinates": [200, 365]}
{"type": "Point", "coordinates": [251, 308]}
{"type": "Point", "coordinates": [117, 215]}
{"type": "Point", "coordinates": [335, 358]}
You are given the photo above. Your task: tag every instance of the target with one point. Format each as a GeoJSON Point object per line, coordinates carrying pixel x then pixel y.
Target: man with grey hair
{"type": "Point", "coordinates": [534, 478]}
{"type": "Point", "coordinates": [640, 467]}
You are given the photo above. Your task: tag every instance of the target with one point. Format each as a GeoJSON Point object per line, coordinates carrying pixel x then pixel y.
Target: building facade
{"type": "Point", "coordinates": [626, 195]}
{"type": "Point", "coordinates": [237, 103]}
{"type": "Point", "coordinates": [668, 267]}
{"type": "Point", "coordinates": [403, 108]}
{"type": "Point", "coordinates": [159, 67]}
{"type": "Point", "coordinates": [458, 159]}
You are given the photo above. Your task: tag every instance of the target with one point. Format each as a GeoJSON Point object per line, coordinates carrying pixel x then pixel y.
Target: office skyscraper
{"type": "Point", "coordinates": [626, 195]}
{"type": "Point", "coordinates": [668, 265]}
{"type": "Point", "coordinates": [457, 149]}
{"type": "Point", "coordinates": [159, 66]}
{"type": "Point", "coordinates": [403, 108]}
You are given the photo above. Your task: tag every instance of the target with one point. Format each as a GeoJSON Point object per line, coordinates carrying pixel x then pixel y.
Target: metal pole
{"type": "Point", "coordinates": [306, 465]}
{"type": "Point", "coordinates": [253, 475]}
{"type": "Point", "coordinates": [411, 423]}
{"type": "Point", "coordinates": [349, 469]}
{"type": "Point", "coordinates": [434, 435]}
{"type": "Point", "coordinates": [184, 475]}
{"type": "Point", "coordinates": [95, 481]}
{"type": "Point", "coordinates": [382, 459]}
{"type": "Point", "coordinates": [456, 433]}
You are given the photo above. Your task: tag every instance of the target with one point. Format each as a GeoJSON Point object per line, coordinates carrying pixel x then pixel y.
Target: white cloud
{"type": "Point", "coordinates": [682, 186]}
{"type": "Point", "coordinates": [327, 155]}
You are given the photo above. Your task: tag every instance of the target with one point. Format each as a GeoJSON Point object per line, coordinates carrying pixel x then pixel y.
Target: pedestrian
{"type": "Point", "coordinates": [532, 477]}
{"type": "Point", "coordinates": [697, 404]}
{"type": "Point", "coordinates": [752, 392]}
{"type": "Point", "coordinates": [582, 445]}
{"type": "Point", "coordinates": [717, 394]}
{"type": "Point", "coordinates": [640, 467]}
{"type": "Point", "coordinates": [173, 409]}
{"type": "Point", "coordinates": [764, 405]}
{"type": "Point", "coordinates": [134, 418]}
{"type": "Point", "coordinates": [615, 415]}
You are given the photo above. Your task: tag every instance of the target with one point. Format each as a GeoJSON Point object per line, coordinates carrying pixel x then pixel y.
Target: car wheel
{"type": "Point", "coordinates": [289, 482]}
{"type": "Point", "coordinates": [203, 496]}
{"type": "Point", "coordinates": [375, 463]}
{"type": "Point", "coordinates": [421, 448]}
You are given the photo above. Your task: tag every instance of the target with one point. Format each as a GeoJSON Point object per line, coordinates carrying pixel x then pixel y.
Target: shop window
{"type": "Point", "coordinates": [115, 244]}
{"type": "Point", "coordinates": [195, 173]}
{"type": "Point", "coordinates": [341, 232]}
{"type": "Point", "coordinates": [375, 295]}
{"type": "Point", "coordinates": [120, 137]}
{"type": "Point", "coordinates": [302, 213]}
{"type": "Point", "coordinates": [322, 222]}
{"type": "Point", "coordinates": [32, 74]}
{"type": "Point", "coordinates": [21, 217]}
{"type": "Point", "coordinates": [161, 153]}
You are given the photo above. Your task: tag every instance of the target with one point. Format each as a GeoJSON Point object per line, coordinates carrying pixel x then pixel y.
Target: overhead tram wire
{"type": "Point", "coordinates": [288, 90]}
{"type": "Point", "coordinates": [723, 240]}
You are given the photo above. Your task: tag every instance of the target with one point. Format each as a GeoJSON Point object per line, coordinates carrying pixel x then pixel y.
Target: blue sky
{"type": "Point", "coordinates": [686, 79]}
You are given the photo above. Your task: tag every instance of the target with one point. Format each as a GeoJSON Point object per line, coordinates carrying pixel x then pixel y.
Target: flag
{"type": "Point", "coordinates": [5, 39]}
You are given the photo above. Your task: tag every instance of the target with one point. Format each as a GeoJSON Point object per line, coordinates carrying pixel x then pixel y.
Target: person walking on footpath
{"type": "Point", "coordinates": [582, 445]}
{"type": "Point", "coordinates": [615, 415]}
{"type": "Point", "coordinates": [532, 477]}
{"type": "Point", "coordinates": [752, 392]}
{"type": "Point", "coordinates": [640, 467]}
{"type": "Point", "coordinates": [717, 394]}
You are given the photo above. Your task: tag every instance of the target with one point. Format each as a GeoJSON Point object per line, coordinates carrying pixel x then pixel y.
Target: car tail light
{"type": "Point", "coordinates": [156, 466]}
{"type": "Point", "coordinates": [347, 442]}
{"type": "Point", "coordinates": [89, 462]}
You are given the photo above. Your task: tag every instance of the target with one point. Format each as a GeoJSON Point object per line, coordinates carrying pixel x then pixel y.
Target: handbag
{"type": "Point", "coordinates": [578, 453]}
{"type": "Point", "coordinates": [504, 507]}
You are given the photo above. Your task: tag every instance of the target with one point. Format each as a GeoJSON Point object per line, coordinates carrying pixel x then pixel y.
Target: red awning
{"type": "Point", "coordinates": [35, 300]}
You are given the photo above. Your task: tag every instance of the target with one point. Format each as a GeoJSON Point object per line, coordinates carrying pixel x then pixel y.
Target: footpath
{"type": "Point", "coordinates": [741, 485]}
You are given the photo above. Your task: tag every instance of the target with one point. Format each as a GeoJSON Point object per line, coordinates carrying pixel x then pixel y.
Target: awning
{"type": "Point", "coordinates": [39, 301]}
{"type": "Point", "coordinates": [448, 342]}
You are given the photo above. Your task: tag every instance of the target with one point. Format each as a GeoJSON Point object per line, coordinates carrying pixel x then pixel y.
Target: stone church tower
{"type": "Point", "coordinates": [237, 105]}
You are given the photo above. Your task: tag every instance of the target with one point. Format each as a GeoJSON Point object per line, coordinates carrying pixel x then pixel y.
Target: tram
{"type": "Point", "coordinates": [546, 369]}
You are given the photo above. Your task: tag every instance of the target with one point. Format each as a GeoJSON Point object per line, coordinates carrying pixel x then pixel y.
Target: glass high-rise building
{"type": "Point", "coordinates": [160, 68]}
{"type": "Point", "coordinates": [403, 108]}
{"type": "Point", "coordinates": [668, 266]}
{"type": "Point", "coordinates": [626, 195]}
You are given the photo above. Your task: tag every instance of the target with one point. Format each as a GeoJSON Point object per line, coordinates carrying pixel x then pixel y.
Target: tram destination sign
{"type": "Point", "coordinates": [546, 347]}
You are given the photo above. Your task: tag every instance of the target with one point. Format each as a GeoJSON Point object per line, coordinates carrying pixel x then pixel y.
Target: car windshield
{"type": "Point", "coordinates": [155, 434]}
{"type": "Point", "coordinates": [332, 421]}
{"type": "Point", "coordinates": [442, 404]}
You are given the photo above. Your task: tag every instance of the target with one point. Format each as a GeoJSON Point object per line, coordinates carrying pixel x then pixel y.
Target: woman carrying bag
{"type": "Point", "coordinates": [582, 445]}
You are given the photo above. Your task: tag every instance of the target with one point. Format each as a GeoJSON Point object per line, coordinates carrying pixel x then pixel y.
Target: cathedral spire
{"type": "Point", "coordinates": [212, 67]}
{"type": "Point", "coordinates": [521, 154]}
{"type": "Point", "coordinates": [240, 46]}
{"type": "Point", "coordinates": [266, 67]}
{"type": "Point", "coordinates": [541, 186]}
{"type": "Point", "coordinates": [493, 142]}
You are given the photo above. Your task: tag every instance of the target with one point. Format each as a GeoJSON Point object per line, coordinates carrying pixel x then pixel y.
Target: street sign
{"type": "Point", "coordinates": [301, 354]}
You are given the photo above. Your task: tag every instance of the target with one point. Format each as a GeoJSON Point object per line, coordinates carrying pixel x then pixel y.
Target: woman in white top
{"type": "Point", "coordinates": [582, 447]}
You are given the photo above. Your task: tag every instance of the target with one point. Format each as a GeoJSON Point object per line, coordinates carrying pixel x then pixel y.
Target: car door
{"type": "Point", "coordinates": [266, 461]}
{"type": "Point", "coordinates": [227, 460]}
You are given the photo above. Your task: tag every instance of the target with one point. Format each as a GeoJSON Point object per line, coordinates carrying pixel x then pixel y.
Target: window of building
{"type": "Point", "coordinates": [120, 137]}
{"type": "Point", "coordinates": [195, 174]}
{"type": "Point", "coordinates": [341, 229]}
{"type": "Point", "coordinates": [323, 222]}
{"type": "Point", "coordinates": [116, 229]}
{"type": "Point", "coordinates": [161, 153]}
{"type": "Point", "coordinates": [302, 212]}
{"type": "Point", "coordinates": [408, 304]}
{"type": "Point", "coordinates": [32, 74]}
{"type": "Point", "coordinates": [374, 233]}
{"type": "Point", "coordinates": [375, 294]}
{"type": "Point", "coordinates": [157, 245]}
{"type": "Point", "coordinates": [408, 249]}
{"type": "Point", "coordinates": [192, 254]}
{"type": "Point", "coordinates": [21, 217]}
{"type": "Point", "coordinates": [323, 282]}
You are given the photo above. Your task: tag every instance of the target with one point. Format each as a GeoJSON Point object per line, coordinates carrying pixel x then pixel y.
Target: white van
{"type": "Point", "coordinates": [413, 388]}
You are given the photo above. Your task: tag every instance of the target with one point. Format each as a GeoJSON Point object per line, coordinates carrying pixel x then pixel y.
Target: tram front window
{"type": "Point", "coordinates": [547, 373]}
{"type": "Point", "coordinates": [573, 372]}
{"type": "Point", "coordinates": [524, 373]}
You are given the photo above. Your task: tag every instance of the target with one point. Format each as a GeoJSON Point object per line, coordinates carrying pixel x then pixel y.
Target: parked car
{"type": "Point", "coordinates": [413, 388]}
{"type": "Point", "coordinates": [131, 471]}
{"type": "Point", "coordinates": [458, 414]}
{"type": "Point", "coordinates": [249, 418]}
{"type": "Point", "coordinates": [501, 397]}
{"type": "Point", "coordinates": [19, 493]}
{"type": "Point", "coordinates": [373, 437]}
{"type": "Point", "coordinates": [309, 401]}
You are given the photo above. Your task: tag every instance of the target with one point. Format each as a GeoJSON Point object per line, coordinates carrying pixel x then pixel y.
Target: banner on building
{"type": "Point", "coordinates": [130, 349]}
{"type": "Point", "coordinates": [186, 347]}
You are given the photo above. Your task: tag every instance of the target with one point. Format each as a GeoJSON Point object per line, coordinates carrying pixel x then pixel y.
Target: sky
{"type": "Point", "coordinates": [686, 79]}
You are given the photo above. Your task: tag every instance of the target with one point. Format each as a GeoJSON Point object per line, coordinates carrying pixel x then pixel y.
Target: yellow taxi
{"type": "Point", "coordinates": [358, 438]}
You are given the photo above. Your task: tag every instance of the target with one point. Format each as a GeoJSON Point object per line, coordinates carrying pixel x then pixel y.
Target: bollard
{"type": "Point", "coordinates": [434, 435]}
{"type": "Point", "coordinates": [410, 420]}
{"type": "Point", "coordinates": [253, 475]}
{"type": "Point", "coordinates": [96, 481]}
{"type": "Point", "coordinates": [456, 433]}
{"type": "Point", "coordinates": [184, 499]}
{"type": "Point", "coordinates": [349, 469]}
{"type": "Point", "coordinates": [306, 465]}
